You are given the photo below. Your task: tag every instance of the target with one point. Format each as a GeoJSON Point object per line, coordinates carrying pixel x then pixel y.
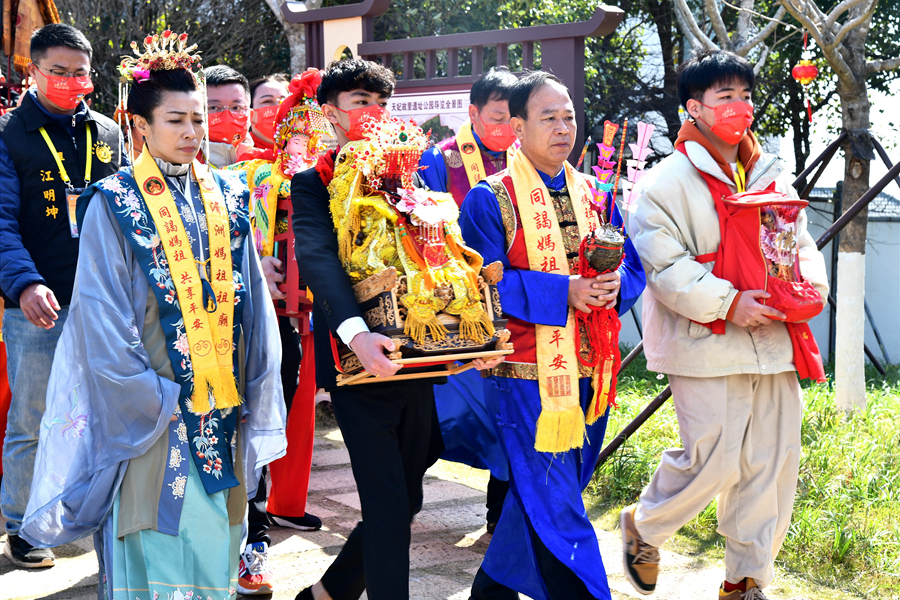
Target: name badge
{"type": "Point", "coordinates": [71, 205]}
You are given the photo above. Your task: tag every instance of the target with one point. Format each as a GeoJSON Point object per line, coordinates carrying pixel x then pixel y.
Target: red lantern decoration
{"type": "Point", "coordinates": [805, 72]}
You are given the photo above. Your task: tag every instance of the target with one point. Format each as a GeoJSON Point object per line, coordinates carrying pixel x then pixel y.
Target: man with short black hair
{"type": "Point", "coordinates": [730, 358]}
{"type": "Point", "coordinates": [386, 426]}
{"type": "Point", "coordinates": [228, 103]}
{"type": "Point", "coordinates": [480, 148]}
{"type": "Point", "coordinates": [51, 147]}
{"type": "Point", "coordinates": [532, 217]}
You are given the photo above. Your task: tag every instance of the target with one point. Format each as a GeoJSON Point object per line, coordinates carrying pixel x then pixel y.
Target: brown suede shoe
{"type": "Point", "coordinates": [752, 592]}
{"type": "Point", "coordinates": [641, 559]}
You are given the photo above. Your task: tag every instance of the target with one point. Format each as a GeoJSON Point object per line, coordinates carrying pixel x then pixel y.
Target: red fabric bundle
{"type": "Point", "coordinates": [602, 327]}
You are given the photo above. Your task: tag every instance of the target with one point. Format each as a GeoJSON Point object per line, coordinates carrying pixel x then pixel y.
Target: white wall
{"type": "Point", "coordinates": [882, 283]}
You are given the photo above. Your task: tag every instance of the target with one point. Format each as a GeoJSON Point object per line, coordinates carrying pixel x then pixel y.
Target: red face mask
{"type": "Point", "coordinates": [228, 128]}
{"type": "Point", "coordinates": [264, 121]}
{"type": "Point", "coordinates": [731, 121]}
{"type": "Point", "coordinates": [65, 92]}
{"type": "Point", "coordinates": [497, 137]}
{"type": "Point", "coordinates": [358, 116]}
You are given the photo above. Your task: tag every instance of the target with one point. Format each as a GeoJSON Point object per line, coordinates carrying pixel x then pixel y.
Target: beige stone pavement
{"type": "Point", "coordinates": [448, 542]}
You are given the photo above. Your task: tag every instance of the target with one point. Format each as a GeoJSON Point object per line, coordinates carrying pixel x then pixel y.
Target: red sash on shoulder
{"type": "Point", "coordinates": [732, 265]}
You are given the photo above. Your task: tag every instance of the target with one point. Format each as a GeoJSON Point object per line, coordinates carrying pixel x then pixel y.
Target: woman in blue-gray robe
{"type": "Point", "coordinates": [121, 454]}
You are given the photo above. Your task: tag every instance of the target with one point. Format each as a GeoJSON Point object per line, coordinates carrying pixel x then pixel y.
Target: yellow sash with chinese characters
{"type": "Point", "coordinates": [472, 161]}
{"type": "Point", "coordinates": [560, 426]}
{"type": "Point", "coordinates": [208, 325]}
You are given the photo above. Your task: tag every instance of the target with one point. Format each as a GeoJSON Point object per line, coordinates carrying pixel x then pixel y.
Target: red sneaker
{"type": "Point", "coordinates": [254, 576]}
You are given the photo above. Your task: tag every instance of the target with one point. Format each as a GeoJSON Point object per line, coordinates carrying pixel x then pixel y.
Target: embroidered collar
{"type": "Point", "coordinates": [556, 182]}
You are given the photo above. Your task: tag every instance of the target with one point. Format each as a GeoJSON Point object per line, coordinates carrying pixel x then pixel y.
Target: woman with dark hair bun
{"type": "Point", "coordinates": [165, 399]}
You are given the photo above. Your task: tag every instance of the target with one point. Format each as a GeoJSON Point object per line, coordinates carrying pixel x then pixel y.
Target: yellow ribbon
{"type": "Point", "coordinates": [740, 178]}
{"type": "Point", "coordinates": [209, 332]}
{"type": "Point", "coordinates": [62, 170]}
{"type": "Point", "coordinates": [560, 426]}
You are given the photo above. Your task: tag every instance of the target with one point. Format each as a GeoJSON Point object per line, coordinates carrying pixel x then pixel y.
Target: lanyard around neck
{"type": "Point", "coordinates": [62, 170]}
{"type": "Point", "coordinates": [740, 178]}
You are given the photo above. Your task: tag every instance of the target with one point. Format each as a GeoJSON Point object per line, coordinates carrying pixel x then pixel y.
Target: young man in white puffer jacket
{"type": "Point", "coordinates": [736, 395]}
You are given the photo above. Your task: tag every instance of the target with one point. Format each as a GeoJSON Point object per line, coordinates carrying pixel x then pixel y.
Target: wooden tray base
{"type": "Point", "coordinates": [449, 367]}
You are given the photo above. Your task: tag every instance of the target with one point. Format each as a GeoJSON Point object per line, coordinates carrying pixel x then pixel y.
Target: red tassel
{"type": "Point", "coordinates": [602, 327]}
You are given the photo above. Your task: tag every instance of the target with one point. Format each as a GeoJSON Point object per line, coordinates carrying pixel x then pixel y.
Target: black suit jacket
{"type": "Point", "coordinates": [317, 260]}
{"type": "Point", "coordinates": [316, 247]}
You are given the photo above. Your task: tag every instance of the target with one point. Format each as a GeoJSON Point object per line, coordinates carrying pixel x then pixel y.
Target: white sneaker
{"type": "Point", "coordinates": [254, 575]}
{"type": "Point", "coordinates": [322, 396]}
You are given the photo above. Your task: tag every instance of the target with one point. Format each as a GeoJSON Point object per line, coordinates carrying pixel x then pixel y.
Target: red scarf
{"type": "Point", "coordinates": [807, 359]}
{"type": "Point", "coordinates": [749, 149]}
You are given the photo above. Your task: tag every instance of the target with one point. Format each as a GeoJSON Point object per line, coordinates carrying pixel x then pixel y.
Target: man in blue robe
{"type": "Point", "coordinates": [544, 545]}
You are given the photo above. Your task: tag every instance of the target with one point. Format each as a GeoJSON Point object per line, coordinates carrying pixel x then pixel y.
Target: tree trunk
{"type": "Point", "coordinates": [663, 14]}
{"type": "Point", "coordinates": [850, 381]}
{"type": "Point", "coordinates": [295, 33]}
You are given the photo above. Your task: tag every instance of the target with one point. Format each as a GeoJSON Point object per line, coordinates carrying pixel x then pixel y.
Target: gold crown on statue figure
{"type": "Point", "coordinates": [300, 113]}
{"type": "Point", "coordinates": [390, 154]}
{"type": "Point", "coordinates": [162, 52]}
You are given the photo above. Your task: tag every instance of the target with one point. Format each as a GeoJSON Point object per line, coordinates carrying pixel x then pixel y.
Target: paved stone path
{"type": "Point", "coordinates": [448, 542]}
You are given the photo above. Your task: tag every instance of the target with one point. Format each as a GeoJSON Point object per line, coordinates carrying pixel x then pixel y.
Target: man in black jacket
{"type": "Point", "coordinates": [51, 147]}
{"type": "Point", "coordinates": [385, 426]}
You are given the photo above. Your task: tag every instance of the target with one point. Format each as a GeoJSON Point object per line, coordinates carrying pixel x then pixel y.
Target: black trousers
{"type": "Point", "coordinates": [386, 428]}
{"type": "Point", "coordinates": [291, 354]}
{"type": "Point", "coordinates": [561, 582]}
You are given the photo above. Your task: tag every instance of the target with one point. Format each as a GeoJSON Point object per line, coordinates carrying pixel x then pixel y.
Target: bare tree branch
{"type": "Point", "coordinates": [784, 39]}
{"type": "Point", "coordinates": [275, 5]}
{"type": "Point", "coordinates": [852, 24]}
{"type": "Point", "coordinates": [764, 33]}
{"type": "Point", "coordinates": [295, 33]}
{"type": "Point", "coordinates": [873, 66]}
{"type": "Point", "coordinates": [689, 24]}
{"type": "Point", "coordinates": [743, 20]}
{"type": "Point", "coordinates": [810, 9]}
{"type": "Point", "coordinates": [762, 60]}
{"type": "Point", "coordinates": [718, 25]}
{"type": "Point", "coordinates": [776, 17]}
{"type": "Point", "coordinates": [837, 11]}
{"type": "Point", "coordinates": [799, 10]}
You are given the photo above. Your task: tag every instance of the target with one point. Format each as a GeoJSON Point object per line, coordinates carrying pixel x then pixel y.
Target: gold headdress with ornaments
{"type": "Point", "coordinates": [165, 51]}
{"type": "Point", "coordinates": [383, 221]}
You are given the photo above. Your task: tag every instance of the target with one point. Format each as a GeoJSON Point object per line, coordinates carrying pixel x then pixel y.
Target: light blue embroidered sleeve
{"type": "Point", "coordinates": [105, 402]}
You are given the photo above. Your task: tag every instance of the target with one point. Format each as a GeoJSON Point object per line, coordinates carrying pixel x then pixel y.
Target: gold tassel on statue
{"type": "Point", "coordinates": [474, 323]}
{"type": "Point", "coordinates": [421, 317]}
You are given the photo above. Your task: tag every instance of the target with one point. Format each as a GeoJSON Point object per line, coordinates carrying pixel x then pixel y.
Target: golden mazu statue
{"type": "Point", "coordinates": [383, 221]}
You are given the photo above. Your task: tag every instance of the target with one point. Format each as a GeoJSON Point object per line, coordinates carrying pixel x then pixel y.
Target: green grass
{"type": "Point", "coordinates": [845, 530]}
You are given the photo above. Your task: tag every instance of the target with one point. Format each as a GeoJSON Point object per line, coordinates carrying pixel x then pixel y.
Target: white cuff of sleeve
{"type": "Point", "coordinates": [349, 328]}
